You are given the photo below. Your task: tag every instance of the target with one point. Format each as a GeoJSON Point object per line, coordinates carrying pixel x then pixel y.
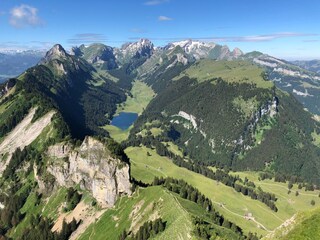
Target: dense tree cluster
{"type": "Point", "coordinates": [148, 230]}
{"type": "Point", "coordinates": [116, 150]}
{"type": "Point", "coordinates": [291, 179]}
{"type": "Point", "coordinates": [10, 215]}
{"type": "Point", "coordinates": [72, 199]}
{"type": "Point", "coordinates": [265, 175]}
{"type": "Point", "coordinates": [205, 230]}
{"type": "Point", "coordinates": [41, 229]}
{"type": "Point", "coordinates": [28, 155]}
{"type": "Point", "coordinates": [191, 193]}
{"type": "Point", "coordinates": [17, 158]}
{"type": "Point", "coordinates": [16, 115]}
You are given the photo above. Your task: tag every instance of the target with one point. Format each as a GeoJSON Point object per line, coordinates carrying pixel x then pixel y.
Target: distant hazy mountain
{"type": "Point", "coordinates": [312, 65]}
{"type": "Point", "coordinates": [301, 82]}
{"type": "Point", "coordinates": [13, 63]}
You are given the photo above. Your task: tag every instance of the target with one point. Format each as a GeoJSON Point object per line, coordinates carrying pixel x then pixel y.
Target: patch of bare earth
{"type": "Point", "coordinates": [23, 135]}
{"type": "Point", "coordinates": [138, 216]}
{"type": "Point", "coordinates": [82, 212]}
{"type": "Point", "coordinates": [283, 229]}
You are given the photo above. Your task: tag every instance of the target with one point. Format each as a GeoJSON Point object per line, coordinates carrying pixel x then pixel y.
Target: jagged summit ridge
{"type": "Point", "coordinates": [56, 52]}
{"type": "Point", "coordinates": [141, 48]}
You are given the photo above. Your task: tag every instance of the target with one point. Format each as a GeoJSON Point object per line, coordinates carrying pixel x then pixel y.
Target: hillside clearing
{"type": "Point", "coordinates": [145, 168]}
{"type": "Point", "coordinates": [230, 71]}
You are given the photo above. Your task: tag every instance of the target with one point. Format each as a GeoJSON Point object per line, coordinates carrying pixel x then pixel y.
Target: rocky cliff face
{"type": "Point", "coordinates": [92, 167]}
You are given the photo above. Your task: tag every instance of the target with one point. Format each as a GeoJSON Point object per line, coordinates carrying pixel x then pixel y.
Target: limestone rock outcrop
{"type": "Point", "coordinates": [92, 167]}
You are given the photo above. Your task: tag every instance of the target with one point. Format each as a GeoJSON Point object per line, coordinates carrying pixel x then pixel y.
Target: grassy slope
{"type": "Point", "coordinates": [306, 228]}
{"type": "Point", "coordinates": [145, 168]}
{"type": "Point", "coordinates": [304, 225]}
{"type": "Point", "coordinates": [236, 205]}
{"type": "Point", "coordinates": [32, 207]}
{"type": "Point", "coordinates": [288, 204]}
{"type": "Point", "coordinates": [231, 71]}
{"type": "Point", "coordinates": [141, 96]}
{"type": "Point", "coordinates": [144, 205]}
{"type": "Point", "coordinates": [173, 148]}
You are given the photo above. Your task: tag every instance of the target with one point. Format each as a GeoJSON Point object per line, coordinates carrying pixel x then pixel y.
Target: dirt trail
{"type": "Point", "coordinates": [83, 212]}
{"type": "Point", "coordinates": [23, 135]}
{"type": "Point", "coordinates": [251, 218]}
{"type": "Point", "coordinates": [283, 229]}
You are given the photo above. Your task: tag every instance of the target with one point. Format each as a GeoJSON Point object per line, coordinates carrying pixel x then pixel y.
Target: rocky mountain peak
{"type": "Point", "coordinates": [143, 47]}
{"type": "Point", "coordinates": [237, 52]}
{"type": "Point", "coordinates": [76, 51]}
{"type": "Point", "coordinates": [56, 52]}
{"type": "Point", "coordinates": [196, 49]}
{"type": "Point", "coordinates": [191, 45]}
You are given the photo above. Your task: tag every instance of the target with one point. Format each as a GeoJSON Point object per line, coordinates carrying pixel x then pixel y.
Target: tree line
{"type": "Point", "coordinates": [187, 191]}
{"type": "Point", "coordinates": [245, 187]}
{"type": "Point", "coordinates": [147, 230]}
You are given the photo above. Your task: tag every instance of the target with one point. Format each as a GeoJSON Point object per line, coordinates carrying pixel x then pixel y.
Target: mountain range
{"type": "Point", "coordinates": [208, 119]}
{"type": "Point", "coordinates": [13, 63]}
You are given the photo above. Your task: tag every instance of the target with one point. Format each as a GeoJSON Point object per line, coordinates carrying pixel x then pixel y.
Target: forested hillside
{"type": "Point", "coordinates": [212, 130]}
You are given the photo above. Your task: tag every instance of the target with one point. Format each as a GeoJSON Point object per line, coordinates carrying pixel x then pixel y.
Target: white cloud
{"type": "Point", "coordinates": [261, 38]}
{"type": "Point", "coordinates": [30, 45]}
{"type": "Point", "coordinates": [253, 38]}
{"type": "Point", "coordinates": [155, 2]}
{"type": "Point", "coordinates": [87, 38]}
{"type": "Point", "coordinates": [24, 16]}
{"type": "Point", "coordinates": [164, 18]}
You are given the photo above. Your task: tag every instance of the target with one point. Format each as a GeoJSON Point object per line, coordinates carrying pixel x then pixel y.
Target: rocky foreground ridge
{"type": "Point", "coordinates": [92, 167]}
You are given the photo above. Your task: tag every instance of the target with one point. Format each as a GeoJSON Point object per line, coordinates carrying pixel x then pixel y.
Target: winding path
{"type": "Point", "coordinates": [252, 219]}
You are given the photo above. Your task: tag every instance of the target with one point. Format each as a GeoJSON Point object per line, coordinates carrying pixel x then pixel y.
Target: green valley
{"type": "Point", "coordinates": [213, 148]}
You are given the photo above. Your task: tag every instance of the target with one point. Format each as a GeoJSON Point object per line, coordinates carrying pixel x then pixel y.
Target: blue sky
{"type": "Point", "coordinates": [288, 29]}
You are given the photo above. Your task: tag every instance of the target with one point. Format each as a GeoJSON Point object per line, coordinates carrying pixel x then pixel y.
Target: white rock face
{"type": "Point", "coordinates": [264, 63]}
{"type": "Point", "coordinates": [304, 94]}
{"type": "Point", "coordinates": [23, 135]}
{"type": "Point", "coordinates": [93, 168]}
{"type": "Point", "coordinates": [144, 47]}
{"type": "Point", "coordinates": [56, 52]}
{"type": "Point", "coordinates": [196, 48]}
{"type": "Point", "coordinates": [189, 117]}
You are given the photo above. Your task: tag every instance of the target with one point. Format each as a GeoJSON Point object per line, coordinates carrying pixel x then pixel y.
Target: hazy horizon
{"type": "Point", "coordinates": [285, 29]}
